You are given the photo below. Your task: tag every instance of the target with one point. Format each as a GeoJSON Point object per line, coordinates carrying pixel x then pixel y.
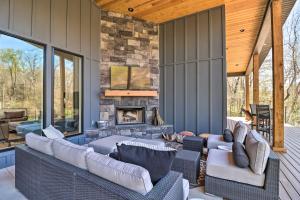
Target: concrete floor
{"type": "Point", "coordinates": [7, 185]}
{"type": "Point", "coordinates": [9, 192]}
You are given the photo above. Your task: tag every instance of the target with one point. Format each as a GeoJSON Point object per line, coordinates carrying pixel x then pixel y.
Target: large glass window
{"type": "Point", "coordinates": [21, 89]}
{"type": "Point", "coordinates": [67, 93]}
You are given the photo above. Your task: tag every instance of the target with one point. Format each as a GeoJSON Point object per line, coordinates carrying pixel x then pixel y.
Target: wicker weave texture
{"type": "Point", "coordinates": [193, 143]}
{"type": "Point", "coordinates": [188, 163]}
{"type": "Point", "coordinates": [39, 176]}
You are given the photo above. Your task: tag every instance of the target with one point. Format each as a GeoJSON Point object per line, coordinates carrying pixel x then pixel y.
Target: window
{"type": "Point", "coordinates": [67, 93]}
{"type": "Point", "coordinates": [21, 89]}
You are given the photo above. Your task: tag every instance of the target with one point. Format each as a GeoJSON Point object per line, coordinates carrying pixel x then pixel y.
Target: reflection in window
{"type": "Point", "coordinates": [21, 89]}
{"type": "Point", "coordinates": [67, 93]}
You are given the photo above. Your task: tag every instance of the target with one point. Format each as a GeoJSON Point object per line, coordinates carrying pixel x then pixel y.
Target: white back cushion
{"type": "Point", "coordinates": [130, 176]}
{"type": "Point", "coordinates": [258, 151]}
{"type": "Point", "coordinates": [53, 133]}
{"type": "Point", "coordinates": [39, 143]}
{"type": "Point", "coordinates": [71, 153]}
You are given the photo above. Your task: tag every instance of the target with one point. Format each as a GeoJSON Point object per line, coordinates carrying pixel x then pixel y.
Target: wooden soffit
{"type": "Point", "coordinates": [243, 21]}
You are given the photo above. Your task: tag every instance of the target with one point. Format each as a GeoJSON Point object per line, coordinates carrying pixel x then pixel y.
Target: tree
{"type": "Point", "coordinates": [12, 60]}
{"type": "Point", "coordinates": [292, 69]}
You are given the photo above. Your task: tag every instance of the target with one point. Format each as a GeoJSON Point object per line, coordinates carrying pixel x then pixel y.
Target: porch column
{"type": "Point", "coordinates": [247, 94]}
{"type": "Point", "coordinates": [255, 79]}
{"type": "Point", "coordinates": [278, 80]}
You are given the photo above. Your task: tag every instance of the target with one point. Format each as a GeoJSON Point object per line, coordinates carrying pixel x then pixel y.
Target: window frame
{"type": "Point", "coordinates": [53, 49]}
{"type": "Point", "coordinates": [44, 47]}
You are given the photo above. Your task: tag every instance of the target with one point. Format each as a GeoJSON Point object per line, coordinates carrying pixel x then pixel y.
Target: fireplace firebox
{"type": "Point", "coordinates": [126, 115]}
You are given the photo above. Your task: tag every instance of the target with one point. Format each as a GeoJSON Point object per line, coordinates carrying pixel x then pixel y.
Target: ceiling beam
{"type": "Point", "coordinates": [233, 74]}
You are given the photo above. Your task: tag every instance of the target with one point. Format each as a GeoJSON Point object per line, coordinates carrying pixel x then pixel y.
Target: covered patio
{"type": "Point", "coordinates": [132, 100]}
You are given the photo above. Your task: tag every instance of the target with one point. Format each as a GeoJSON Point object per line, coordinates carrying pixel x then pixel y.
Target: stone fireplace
{"type": "Point", "coordinates": [127, 115]}
{"type": "Point", "coordinates": [127, 41]}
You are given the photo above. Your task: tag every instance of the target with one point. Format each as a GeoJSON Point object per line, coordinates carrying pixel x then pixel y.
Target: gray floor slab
{"type": "Point", "coordinates": [7, 185]}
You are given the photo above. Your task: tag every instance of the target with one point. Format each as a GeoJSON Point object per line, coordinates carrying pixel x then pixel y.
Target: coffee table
{"type": "Point", "coordinates": [188, 163]}
{"type": "Point", "coordinates": [193, 143]}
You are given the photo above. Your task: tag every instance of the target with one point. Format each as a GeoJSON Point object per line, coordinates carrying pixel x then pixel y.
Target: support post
{"type": "Point", "coordinates": [255, 79]}
{"type": "Point", "coordinates": [278, 80]}
{"type": "Point", "coordinates": [247, 95]}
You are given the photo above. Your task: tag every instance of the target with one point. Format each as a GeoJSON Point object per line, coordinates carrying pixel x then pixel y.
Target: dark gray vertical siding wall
{"type": "Point", "coordinates": [193, 72]}
{"type": "Point", "coordinates": [71, 25]}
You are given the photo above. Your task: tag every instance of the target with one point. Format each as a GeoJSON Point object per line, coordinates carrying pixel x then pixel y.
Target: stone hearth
{"type": "Point", "coordinates": [138, 130]}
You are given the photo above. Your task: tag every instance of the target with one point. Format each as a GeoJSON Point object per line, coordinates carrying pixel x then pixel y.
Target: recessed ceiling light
{"type": "Point", "coordinates": [130, 9]}
{"type": "Point", "coordinates": [242, 30]}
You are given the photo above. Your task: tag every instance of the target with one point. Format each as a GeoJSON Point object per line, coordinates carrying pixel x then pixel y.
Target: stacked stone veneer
{"type": "Point", "coordinates": [131, 42]}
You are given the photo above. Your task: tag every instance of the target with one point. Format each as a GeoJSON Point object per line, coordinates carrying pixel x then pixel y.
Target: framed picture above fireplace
{"type": "Point", "coordinates": [139, 78]}
{"type": "Point", "coordinates": [130, 78]}
{"type": "Point", "coordinates": [119, 77]}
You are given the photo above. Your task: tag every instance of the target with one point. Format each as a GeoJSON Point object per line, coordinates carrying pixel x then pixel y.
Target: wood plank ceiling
{"type": "Point", "coordinates": [243, 21]}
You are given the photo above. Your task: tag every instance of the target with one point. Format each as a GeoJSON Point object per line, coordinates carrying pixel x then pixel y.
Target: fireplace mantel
{"type": "Point", "coordinates": [131, 93]}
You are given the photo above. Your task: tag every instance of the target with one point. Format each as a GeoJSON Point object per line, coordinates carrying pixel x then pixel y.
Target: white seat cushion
{"type": "Point", "coordinates": [214, 141]}
{"type": "Point", "coordinates": [39, 143]}
{"type": "Point", "coordinates": [258, 151]}
{"type": "Point", "coordinates": [186, 188]}
{"type": "Point", "coordinates": [108, 144]}
{"type": "Point", "coordinates": [220, 164]}
{"type": "Point", "coordinates": [71, 153]}
{"type": "Point", "coordinates": [127, 175]}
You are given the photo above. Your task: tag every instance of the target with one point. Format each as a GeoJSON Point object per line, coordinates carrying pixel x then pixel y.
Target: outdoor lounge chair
{"type": "Point", "coordinates": [235, 190]}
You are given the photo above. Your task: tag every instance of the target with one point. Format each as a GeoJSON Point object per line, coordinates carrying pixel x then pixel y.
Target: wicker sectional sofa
{"type": "Point", "coordinates": [40, 176]}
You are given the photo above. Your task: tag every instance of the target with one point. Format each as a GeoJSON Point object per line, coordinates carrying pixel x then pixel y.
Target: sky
{"type": "Point", "coordinates": [13, 43]}
{"type": "Point", "coordinates": [295, 10]}
{"type": "Point", "coordinates": [7, 42]}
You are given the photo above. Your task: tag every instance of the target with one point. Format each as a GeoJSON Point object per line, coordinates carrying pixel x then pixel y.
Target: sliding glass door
{"type": "Point", "coordinates": [21, 89]}
{"type": "Point", "coordinates": [67, 92]}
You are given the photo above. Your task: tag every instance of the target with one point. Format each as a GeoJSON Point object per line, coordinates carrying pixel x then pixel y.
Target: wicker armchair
{"type": "Point", "coordinates": [236, 191]}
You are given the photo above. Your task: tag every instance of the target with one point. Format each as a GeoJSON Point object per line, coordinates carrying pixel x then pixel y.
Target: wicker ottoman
{"type": "Point", "coordinates": [193, 143]}
{"type": "Point", "coordinates": [188, 163]}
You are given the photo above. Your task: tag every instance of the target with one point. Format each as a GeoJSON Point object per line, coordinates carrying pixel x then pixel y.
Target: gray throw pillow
{"type": "Point", "coordinates": [240, 132]}
{"type": "Point", "coordinates": [258, 151]}
{"type": "Point", "coordinates": [240, 156]}
{"type": "Point", "coordinates": [227, 135]}
{"type": "Point", "coordinates": [157, 160]}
